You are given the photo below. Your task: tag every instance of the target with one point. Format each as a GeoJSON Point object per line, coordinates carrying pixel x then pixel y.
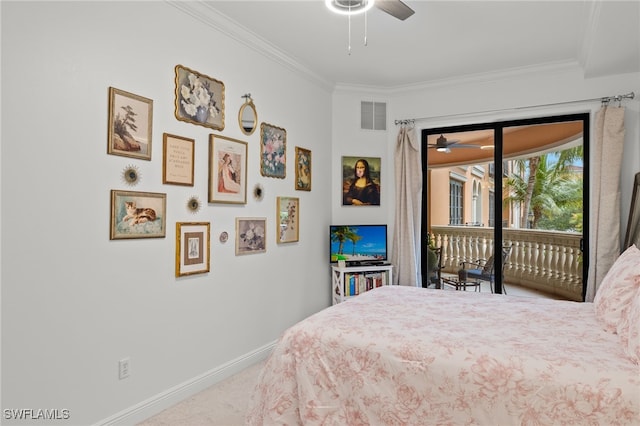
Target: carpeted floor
{"type": "Point", "coordinates": [223, 404]}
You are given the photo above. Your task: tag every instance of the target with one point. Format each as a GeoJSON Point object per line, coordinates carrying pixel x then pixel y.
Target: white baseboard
{"type": "Point", "coordinates": [174, 395]}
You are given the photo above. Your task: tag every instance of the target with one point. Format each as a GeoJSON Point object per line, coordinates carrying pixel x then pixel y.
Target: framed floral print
{"type": "Point", "coordinates": [303, 169]}
{"type": "Point", "coordinates": [178, 158]}
{"type": "Point", "coordinates": [251, 235]}
{"type": "Point", "coordinates": [192, 248]}
{"type": "Point", "coordinates": [130, 124]}
{"type": "Point", "coordinates": [227, 170]}
{"type": "Point", "coordinates": [273, 151]}
{"type": "Point", "coordinates": [138, 214]}
{"type": "Point", "coordinates": [287, 217]}
{"type": "Point", "coordinates": [199, 98]}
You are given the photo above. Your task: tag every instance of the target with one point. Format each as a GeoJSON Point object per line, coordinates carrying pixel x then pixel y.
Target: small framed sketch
{"type": "Point", "coordinates": [251, 235]}
{"type": "Point", "coordinates": [199, 98]}
{"type": "Point", "coordinates": [273, 151]}
{"type": "Point", "coordinates": [288, 219]}
{"type": "Point", "coordinates": [138, 214]}
{"type": "Point", "coordinates": [192, 248]}
{"type": "Point", "coordinates": [178, 159]}
{"type": "Point", "coordinates": [361, 181]}
{"type": "Point", "coordinates": [227, 170]}
{"type": "Point", "coordinates": [303, 169]}
{"type": "Point", "coordinates": [130, 124]}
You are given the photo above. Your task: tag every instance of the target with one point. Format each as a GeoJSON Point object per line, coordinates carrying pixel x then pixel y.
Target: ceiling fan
{"type": "Point", "coordinates": [444, 145]}
{"type": "Point", "coordinates": [395, 8]}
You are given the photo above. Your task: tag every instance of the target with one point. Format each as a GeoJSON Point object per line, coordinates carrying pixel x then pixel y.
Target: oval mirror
{"type": "Point", "coordinates": [248, 117]}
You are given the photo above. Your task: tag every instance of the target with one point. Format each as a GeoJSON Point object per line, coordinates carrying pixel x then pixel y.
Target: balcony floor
{"type": "Point", "coordinates": [512, 289]}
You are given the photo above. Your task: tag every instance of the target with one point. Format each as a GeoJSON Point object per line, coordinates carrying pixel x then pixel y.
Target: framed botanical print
{"type": "Point", "coordinates": [192, 248]}
{"type": "Point", "coordinates": [360, 181]}
{"type": "Point", "coordinates": [178, 159]}
{"type": "Point", "coordinates": [227, 170]}
{"type": "Point", "coordinates": [199, 99]}
{"type": "Point", "coordinates": [138, 214]}
{"type": "Point", "coordinates": [130, 124]}
{"type": "Point", "coordinates": [288, 219]}
{"type": "Point", "coordinates": [251, 235]}
{"type": "Point", "coordinates": [273, 151]}
{"type": "Point", "coordinates": [303, 169]}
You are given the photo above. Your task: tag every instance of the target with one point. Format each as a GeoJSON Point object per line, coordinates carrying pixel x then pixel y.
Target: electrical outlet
{"type": "Point", "coordinates": [124, 368]}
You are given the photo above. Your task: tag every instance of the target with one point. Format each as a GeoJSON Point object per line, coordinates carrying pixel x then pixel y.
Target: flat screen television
{"type": "Point", "coordinates": [358, 244]}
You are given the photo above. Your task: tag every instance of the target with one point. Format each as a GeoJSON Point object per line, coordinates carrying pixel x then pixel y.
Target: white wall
{"type": "Point", "coordinates": [459, 102]}
{"type": "Point", "coordinates": [74, 302]}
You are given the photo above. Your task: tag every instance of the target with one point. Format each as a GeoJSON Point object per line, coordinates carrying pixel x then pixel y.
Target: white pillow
{"type": "Point", "coordinates": [629, 327]}
{"type": "Point", "coordinates": [617, 289]}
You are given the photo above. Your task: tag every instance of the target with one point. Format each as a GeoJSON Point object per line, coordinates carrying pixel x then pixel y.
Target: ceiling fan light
{"type": "Point", "coordinates": [445, 150]}
{"type": "Point", "coordinates": [349, 7]}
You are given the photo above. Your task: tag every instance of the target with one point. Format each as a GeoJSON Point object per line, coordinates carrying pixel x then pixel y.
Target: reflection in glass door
{"type": "Point", "coordinates": [512, 187]}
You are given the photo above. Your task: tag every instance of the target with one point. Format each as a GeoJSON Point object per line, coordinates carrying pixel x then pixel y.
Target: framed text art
{"type": "Point", "coordinates": [251, 235]}
{"type": "Point", "coordinates": [227, 170]}
{"type": "Point", "coordinates": [137, 214]}
{"type": "Point", "coordinates": [303, 169]}
{"type": "Point", "coordinates": [192, 248]}
{"type": "Point", "coordinates": [288, 219]}
{"type": "Point", "coordinates": [273, 151]}
{"type": "Point", "coordinates": [130, 124]}
{"type": "Point", "coordinates": [199, 98]}
{"type": "Point", "coordinates": [178, 159]}
{"type": "Point", "coordinates": [360, 181]}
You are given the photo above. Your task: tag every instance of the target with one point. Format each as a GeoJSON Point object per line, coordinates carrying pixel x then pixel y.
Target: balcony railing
{"type": "Point", "coordinates": [547, 261]}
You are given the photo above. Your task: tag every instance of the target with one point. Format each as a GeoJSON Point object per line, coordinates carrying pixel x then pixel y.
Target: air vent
{"type": "Point", "coordinates": [373, 115]}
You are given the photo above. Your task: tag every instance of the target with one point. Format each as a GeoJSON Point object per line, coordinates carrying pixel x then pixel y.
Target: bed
{"type": "Point", "coordinates": [411, 356]}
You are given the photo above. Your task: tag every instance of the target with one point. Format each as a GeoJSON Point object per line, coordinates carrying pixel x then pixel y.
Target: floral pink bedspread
{"type": "Point", "coordinates": [413, 356]}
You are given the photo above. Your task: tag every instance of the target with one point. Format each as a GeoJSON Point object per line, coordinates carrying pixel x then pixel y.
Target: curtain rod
{"type": "Point", "coordinates": [604, 100]}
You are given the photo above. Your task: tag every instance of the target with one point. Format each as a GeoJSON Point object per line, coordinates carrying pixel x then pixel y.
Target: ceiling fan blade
{"type": "Point", "coordinates": [395, 8]}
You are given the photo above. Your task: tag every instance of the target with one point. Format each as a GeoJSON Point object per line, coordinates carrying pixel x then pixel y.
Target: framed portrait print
{"type": "Point", "coordinates": [273, 151]}
{"type": "Point", "coordinates": [199, 98]}
{"type": "Point", "coordinates": [288, 219]}
{"type": "Point", "coordinates": [227, 170]}
{"type": "Point", "coordinates": [303, 169]}
{"type": "Point", "coordinates": [138, 214]}
{"type": "Point", "coordinates": [251, 235]}
{"type": "Point", "coordinates": [192, 248]}
{"type": "Point", "coordinates": [130, 124]}
{"type": "Point", "coordinates": [360, 181]}
{"type": "Point", "coordinates": [178, 159]}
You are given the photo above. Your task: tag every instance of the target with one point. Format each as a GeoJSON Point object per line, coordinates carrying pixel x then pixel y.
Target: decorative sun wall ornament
{"type": "Point", "coordinates": [131, 175]}
{"type": "Point", "coordinates": [258, 192]}
{"type": "Point", "coordinates": [193, 204]}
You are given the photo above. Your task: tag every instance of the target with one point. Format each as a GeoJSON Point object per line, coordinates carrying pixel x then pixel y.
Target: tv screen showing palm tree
{"type": "Point", "coordinates": [358, 243]}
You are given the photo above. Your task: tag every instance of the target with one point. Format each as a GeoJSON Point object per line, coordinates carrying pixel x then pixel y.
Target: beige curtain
{"type": "Point", "coordinates": [605, 199]}
{"type": "Point", "coordinates": [405, 252]}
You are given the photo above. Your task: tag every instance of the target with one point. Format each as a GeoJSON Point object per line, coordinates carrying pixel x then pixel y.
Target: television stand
{"type": "Point", "coordinates": [349, 281]}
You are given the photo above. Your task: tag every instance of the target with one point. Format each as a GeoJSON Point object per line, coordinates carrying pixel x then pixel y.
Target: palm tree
{"type": "Point", "coordinates": [354, 239]}
{"type": "Point", "coordinates": [341, 234]}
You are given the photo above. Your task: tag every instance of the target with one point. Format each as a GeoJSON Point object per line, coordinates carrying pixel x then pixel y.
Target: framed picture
{"type": "Point", "coordinates": [199, 98]}
{"type": "Point", "coordinates": [303, 169]}
{"type": "Point", "coordinates": [360, 181]}
{"type": "Point", "coordinates": [273, 151]}
{"type": "Point", "coordinates": [178, 159]}
{"type": "Point", "coordinates": [227, 170]}
{"type": "Point", "coordinates": [251, 235]}
{"type": "Point", "coordinates": [192, 248]}
{"type": "Point", "coordinates": [138, 214]}
{"type": "Point", "coordinates": [288, 219]}
{"type": "Point", "coordinates": [130, 124]}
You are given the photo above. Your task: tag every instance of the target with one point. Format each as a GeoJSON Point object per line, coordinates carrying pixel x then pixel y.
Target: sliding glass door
{"type": "Point", "coordinates": [516, 188]}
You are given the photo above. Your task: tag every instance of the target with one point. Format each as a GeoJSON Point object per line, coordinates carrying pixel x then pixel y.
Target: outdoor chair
{"type": "Point", "coordinates": [483, 270]}
{"type": "Point", "coordinates": [434, 273]}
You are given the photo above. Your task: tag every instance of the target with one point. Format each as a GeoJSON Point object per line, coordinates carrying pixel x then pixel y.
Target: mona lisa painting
{"type": "Point", "coordinates": [360, 181]}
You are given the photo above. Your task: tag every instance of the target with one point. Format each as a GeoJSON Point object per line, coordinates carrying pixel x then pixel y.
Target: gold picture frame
{"type": "Point", "coordinates": [287, 219]}
{"type": "Point", "coordinates": [193, 254]}
{"type": "Point", "coordinates": [178, 155]}
{"type": "Point", "coordinates": [273, 151]}
{"type": "Point", "coordinates": [130, 125]}
{"type": "Point", "coordinates": [137, 214]}
{"type": "Point", "coordinates": [303, 169]}
{"type": "Point", "coordinates": [227, 170]}
{"type": "Point", "coordinates": [199, 99]}
{"type": "Point", "coordinates": [251, 235]}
